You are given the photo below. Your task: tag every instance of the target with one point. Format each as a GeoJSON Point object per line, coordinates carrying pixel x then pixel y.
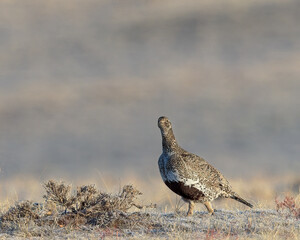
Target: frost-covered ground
{"type": "Point", "coordinates": [252, 224]}
{"type": "Point", "coordinates": [88, 213]}
{"type": "Point", "coordinates": [241, 224]}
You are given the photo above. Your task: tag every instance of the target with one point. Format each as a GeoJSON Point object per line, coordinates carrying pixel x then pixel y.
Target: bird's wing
{"type": "Point", "coordinates": [197, 168]}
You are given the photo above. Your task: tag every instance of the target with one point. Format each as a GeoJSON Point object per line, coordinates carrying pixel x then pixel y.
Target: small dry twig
{"type": "Point", "coordinates": [289, 204]}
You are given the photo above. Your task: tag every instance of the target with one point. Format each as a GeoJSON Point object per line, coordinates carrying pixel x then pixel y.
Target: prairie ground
{"type": "Point", "coordinates": [65, 212]}
{"type": "Point", "coordinates": [252, 224]}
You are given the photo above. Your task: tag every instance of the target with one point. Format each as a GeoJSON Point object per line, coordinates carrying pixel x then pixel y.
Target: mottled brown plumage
{"type": "Point", "coordinates": [189, 175]}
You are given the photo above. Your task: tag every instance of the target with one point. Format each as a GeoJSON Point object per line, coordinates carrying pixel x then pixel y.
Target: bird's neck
{"type": "Point", "coordinates": [169, 143]}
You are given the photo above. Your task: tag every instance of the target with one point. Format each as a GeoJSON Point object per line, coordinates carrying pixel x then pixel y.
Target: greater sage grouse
{"type": "Point", "coordinates": [189, 175]}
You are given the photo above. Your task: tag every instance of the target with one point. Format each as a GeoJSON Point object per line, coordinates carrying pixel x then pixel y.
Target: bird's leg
{"type": "Point", "coordinates": [191, 208]}
{"type": "Point", "coordinates": [209, 208]}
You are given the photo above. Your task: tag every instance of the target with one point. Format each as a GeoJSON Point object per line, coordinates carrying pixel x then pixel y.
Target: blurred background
{"type": "Point", "coordinates": [82, 84]}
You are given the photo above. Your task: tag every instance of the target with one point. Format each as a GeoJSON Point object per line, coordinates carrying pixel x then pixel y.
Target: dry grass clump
{"type": "Point", "coordinates": [87, 206]}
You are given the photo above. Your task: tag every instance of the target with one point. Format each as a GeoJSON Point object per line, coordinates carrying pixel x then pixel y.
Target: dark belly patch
{"type": "Point", "coordinates": [187, 192]}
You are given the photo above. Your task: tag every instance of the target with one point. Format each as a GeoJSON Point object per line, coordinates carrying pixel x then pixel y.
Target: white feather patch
{"type": "Point", "coordinates": [190, 182]}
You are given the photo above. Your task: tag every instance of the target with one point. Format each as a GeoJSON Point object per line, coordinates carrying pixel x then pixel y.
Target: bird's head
{"type": "Point", "coordinates": [164, 125]}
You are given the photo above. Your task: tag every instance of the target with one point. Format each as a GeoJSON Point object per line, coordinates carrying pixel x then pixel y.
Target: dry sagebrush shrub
{"type": "Point", "coordinates": [19, 217]}
{"type": "Point", "coordinates": [59, 194]}
{"type": "Point", "coordinates": [90, 206]}
{"type": "Point", "coordinates": [86, 205]}
{"type": "Point", "coordinates": [88, 198]}
{"type": "Point", "coordinates": [22, 210]}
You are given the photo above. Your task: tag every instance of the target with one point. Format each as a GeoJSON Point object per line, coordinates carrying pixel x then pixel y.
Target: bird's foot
{"type": "Point", "coordinates": [191, 208]}
{"type": "Point", "coordinates": [209, 208]}
{"type": "Point", "coordinates": [211, 213]}
{"type": "Point", "coordinates": [189, 214]}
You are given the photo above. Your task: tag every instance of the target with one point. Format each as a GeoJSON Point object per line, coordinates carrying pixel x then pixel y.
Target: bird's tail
{"type": "Point", "coordinates": [238, 198]}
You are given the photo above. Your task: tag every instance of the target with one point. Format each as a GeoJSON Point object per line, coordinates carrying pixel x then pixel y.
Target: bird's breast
{"type": "Point", "coordinates": [188, 192]}
{"type": "Point", "coordinates": [167, 171]}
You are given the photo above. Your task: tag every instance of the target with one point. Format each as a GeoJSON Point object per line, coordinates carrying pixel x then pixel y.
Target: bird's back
{"type": "Point", "coordinates": [194, 171]}
{"type": "Point", "coordinates": [208, 175]}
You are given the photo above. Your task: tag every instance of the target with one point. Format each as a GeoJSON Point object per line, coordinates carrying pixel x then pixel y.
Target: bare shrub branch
{"type": "Point", "coordinates": [289, 204]}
